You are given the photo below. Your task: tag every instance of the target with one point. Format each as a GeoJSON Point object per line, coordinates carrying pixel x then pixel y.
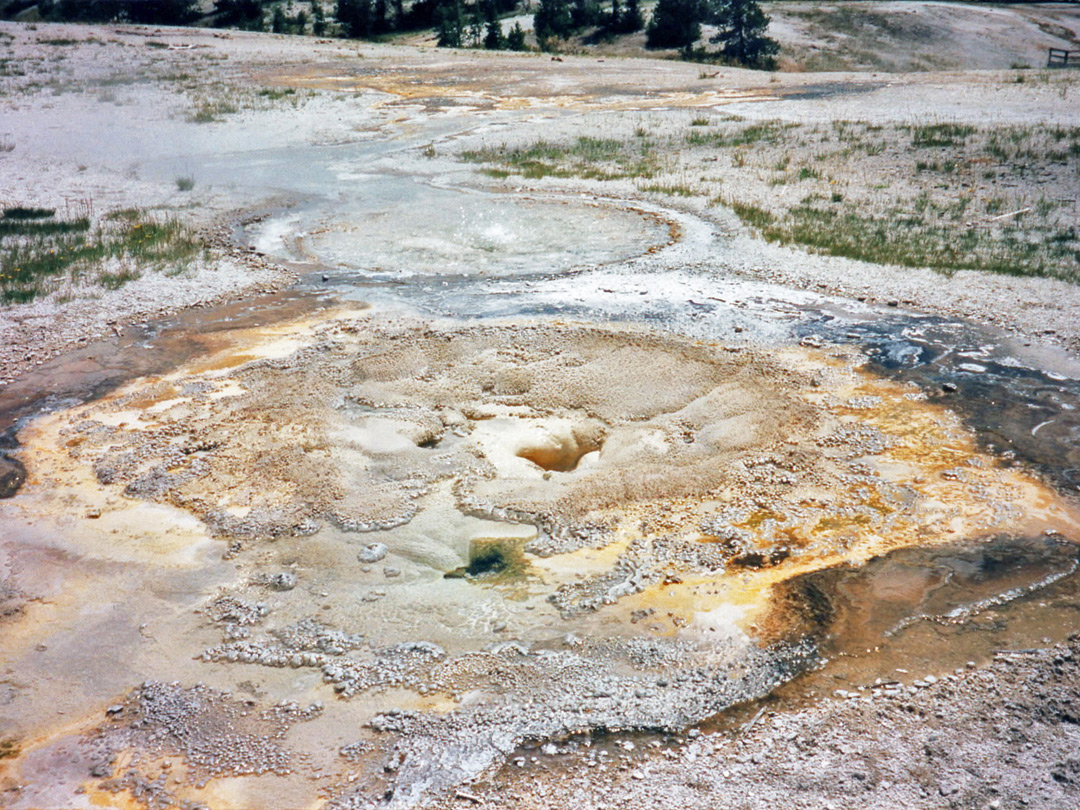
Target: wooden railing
{"type": "Point", "coordinates": [1061, 58]}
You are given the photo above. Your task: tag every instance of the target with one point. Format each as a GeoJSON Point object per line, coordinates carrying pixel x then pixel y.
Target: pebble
{"type": "Point", "coordinates": [285, 581]}
{"type": "Point", "coordinates": [373, 552]}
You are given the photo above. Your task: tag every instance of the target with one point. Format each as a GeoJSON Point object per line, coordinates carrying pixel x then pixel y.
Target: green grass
{"type": "Point", "coordinates": [276, 93]}
{"type": "Point", "coordinates": [671, 189]}
{"type": "Point", "coordinates": [936, 238]}
{"type": "Point", "coordinates": [36, 252]}
{"type": "Point", "coordinates": [23, 212]}
{"type": "Point", "coordinates": [587, 158]}
{"type": "Point", "coordinates": [37, 227]}
{"type": "Point", "coordinates": [207, 112]}
{"type": "Point", "coordinates": [936, 135]}
{"type": "Point", "coordinates": [762, 132]}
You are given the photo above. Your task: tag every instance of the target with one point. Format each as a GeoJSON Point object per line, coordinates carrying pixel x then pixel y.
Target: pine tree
{"type": "Point", "coordinates": [278, 22]}
{"type": "Point", "coordinates": [318, 25]}
{"type": "Point", "coordinates": [631, 18]}
{"type": "Point", "coordinates": [742, 26]}
{"type": "Point", "coordinates": [476, 27]}
{"type": "Point", "coordinates": [450, 22]}
{"type": "Point", "coordinates": [493, 39]}
{"type": "Point", "coordinates": [243, 14]}
{"type": "Point", "coordinates": [614, 21]}
{"type": "Point", "coordinates": [378, 22]}
{"type": "Point", "coordinates": [674, 24]}
{"type": "Point", "coordinates": [585, 13]}
{"type": "Point", "coordinates": [355, 18]}
{"type": "Point", "coordinates": [552, 19]}
{"type": "Point", "coordinates": [515, 40]}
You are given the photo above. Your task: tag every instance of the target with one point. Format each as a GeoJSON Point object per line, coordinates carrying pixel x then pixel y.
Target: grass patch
{"type": "Point", "coordinates": [587, 158]}
{"type": "Point", "coordinates": [671, 189]}
{"type": "Point", "coordinates": [37, 227]}
{"type": "Point", "coordinates": [934, 135]}
{"type": "Point", "coordinates": [762, 132]}
{"type": "Point", "coordinates": [752, 215]}
{"type": "Point", "coordinates": [186, 183]}
{"type": "Point", "coordinates": [208, 112]}
{"type": "Point", "coordinates": [921, 235]}
{"type": "Point", "coordinates": [276, 93]}
{"type": "Point", "coordinates": [23, 212]}
{"type": "Point", "coordinates": [37, 253]}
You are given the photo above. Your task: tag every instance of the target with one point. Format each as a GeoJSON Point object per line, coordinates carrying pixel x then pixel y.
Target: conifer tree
{"type": "Point", "coordinates": [552, 19]}
{"type": "Point", "coordinates": [450, 22]}
{"type": "Point", "coordinates": [278, 22]}
{"type": "Point", "coordinates": [742, 26]}
{"type": "Point", "coordinates": [355, 18]}
{"type": "Point", "coordinates": [631, 18]}
{"type": "Point", "coordinates": [675, 24]}
{"type": "Point", "coordinates": [515, 40]}
{"type": "Point", "coordinates": [493, 39]}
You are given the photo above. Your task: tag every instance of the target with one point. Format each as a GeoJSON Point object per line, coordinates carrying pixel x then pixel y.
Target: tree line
{"type": "Point", "coordinates": [740, 24]}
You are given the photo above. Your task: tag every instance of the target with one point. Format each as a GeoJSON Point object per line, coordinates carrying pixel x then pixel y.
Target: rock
{"type": "Point", "coordinates": [373, 552]}
{"type": "Point", "coordinates": [390, 572]}
{"type": "Point", "coordinates": [12, 476]}
{"type": "Point", "coordinates": [285, 581]}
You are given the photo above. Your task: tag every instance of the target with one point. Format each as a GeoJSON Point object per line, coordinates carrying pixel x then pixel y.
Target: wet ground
{"type": "Point", "coordinates": [502, 470]}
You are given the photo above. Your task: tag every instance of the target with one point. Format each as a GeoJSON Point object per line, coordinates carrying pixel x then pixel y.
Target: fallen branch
{"type": "Point", "coordinates": [999, 217]}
